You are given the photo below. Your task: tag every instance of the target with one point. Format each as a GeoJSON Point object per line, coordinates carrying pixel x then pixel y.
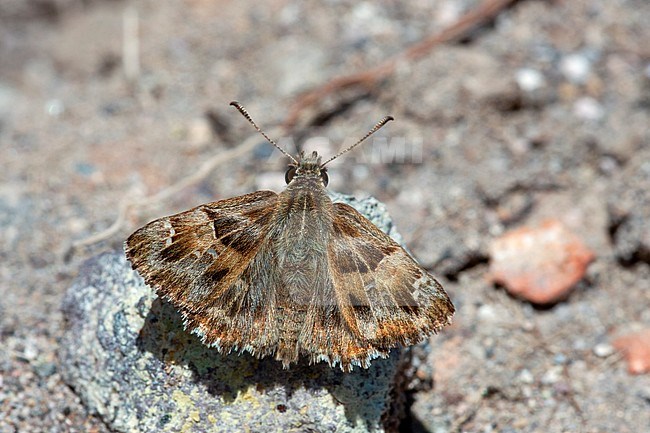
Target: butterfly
{"type": "Point", "coordinates": [290, 274]}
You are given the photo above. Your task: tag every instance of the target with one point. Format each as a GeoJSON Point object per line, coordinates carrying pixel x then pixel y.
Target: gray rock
{"type": "Point", "coordinates": [126, 355]}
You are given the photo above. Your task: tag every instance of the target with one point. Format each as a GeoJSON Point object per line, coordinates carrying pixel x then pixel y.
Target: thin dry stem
{"type": "Point", "coordinates": [107, 233]}
{"type": "Point", "coordinates": [131, 203]}
{"type": "Point", "coordinates": [369, 78]}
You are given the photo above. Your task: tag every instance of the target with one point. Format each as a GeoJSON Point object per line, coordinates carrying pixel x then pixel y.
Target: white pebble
{"type": "Point", "coordinates": [525, 376]}
{"type": "Point", "coordinates": [54, 107]}
{"type": "Point", "coordinates": [529, 79]}
{"type": "Point", "coordinates": [575, 68]}
{"type": "Point", "coordinates": [30, 353]}
{"type": "Point", "coordinates": [200, 131]}
{"type": "Point", "coordinates": [603, 350]}
{"type": "Point", "coordinates": [588, 109]}
{"type": "Point", "coordinates": [552, 375]}
{"type": "Point", "coordinates": [487, 313]}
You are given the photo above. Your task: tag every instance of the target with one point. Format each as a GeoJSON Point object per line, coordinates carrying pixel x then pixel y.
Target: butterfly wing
{"type": "Point", "coordinates": [196, 259]}
{"type": "Point", "coordinates": [230, 269]}
{"type": "Point", "coordinates": [384, 297]}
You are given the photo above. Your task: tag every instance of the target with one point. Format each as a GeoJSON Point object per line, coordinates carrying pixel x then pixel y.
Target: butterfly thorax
{"type": "Point", "coordinates": [305, 224]}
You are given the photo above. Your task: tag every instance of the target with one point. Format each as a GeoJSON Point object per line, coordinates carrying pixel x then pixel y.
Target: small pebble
{"type": "Point", "coordinates": [603, 350]}
{"type": "Point", "coordinates": [54, 107]}
{"type": "Point", "coordinates": [199, 132]}
{"type": "Point", "coordinates": [552, 375]}
{"type": "Point", "coordinates": [45, 369]}
{"type": "Point", "coordinates": [525, 376]}
{"type": "Point", "coordinates": [540, 264]}
{"type": "Point", "coordinates": [575, 68]}
{"type": "Point", "coordinates": [30, 352]}
{"type": "Point", "coordinates": [487, 313]}
{"type": "Point", "coordinates": [529, 79]}
{"type": "Point", "coordinates": [528, 326]}
{"type": "Point", "coordinates": [588, 109]}
{"type": "Point", "coordinates": [608, 164]}
{"type": "Point", "coordinates": [636, 349]}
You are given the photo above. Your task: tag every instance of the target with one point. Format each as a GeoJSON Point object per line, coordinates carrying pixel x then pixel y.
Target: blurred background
{"type": "Point", "coordinates": [517, 171]}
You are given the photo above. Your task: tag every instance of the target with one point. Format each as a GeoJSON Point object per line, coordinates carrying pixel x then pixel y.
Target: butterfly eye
{"type": "Point", "coordinates": [288, 176]}
{"type": "Point", "coordinates": [324, 176]}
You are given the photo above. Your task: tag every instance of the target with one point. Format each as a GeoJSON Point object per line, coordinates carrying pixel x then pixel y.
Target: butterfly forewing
{"type": "Point", "coordinates": [194, 257]}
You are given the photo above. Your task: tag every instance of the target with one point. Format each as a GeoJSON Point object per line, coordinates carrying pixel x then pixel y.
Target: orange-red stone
{"type": "Point", "coordinates": [539, 264]}
{"type": "Point", "coordinates": [636, 348]}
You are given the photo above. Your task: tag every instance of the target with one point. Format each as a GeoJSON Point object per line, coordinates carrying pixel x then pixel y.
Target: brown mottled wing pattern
{"type": "Point", "coordinates": [385, 298]}
{"type": "Point", "coordinates": [288, 275]}
{"type": "Point", "coordinates": [195, 260]}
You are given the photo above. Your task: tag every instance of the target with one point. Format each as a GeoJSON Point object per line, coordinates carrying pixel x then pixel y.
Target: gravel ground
{"type": "Point", "coordinates": [542, 114]}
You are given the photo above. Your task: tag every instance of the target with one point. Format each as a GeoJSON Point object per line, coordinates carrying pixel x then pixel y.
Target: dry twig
{"type": "Point", "coordinates": [369, 78]}
{"type": "Point", "coordinates": [131, 203]}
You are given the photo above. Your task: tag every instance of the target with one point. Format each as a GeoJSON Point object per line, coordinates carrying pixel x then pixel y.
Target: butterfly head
{"type": "Point", "coordinates": [308, 165]}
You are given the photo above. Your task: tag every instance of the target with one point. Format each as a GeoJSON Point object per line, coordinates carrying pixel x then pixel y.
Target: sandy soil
{"type": "Point", "coordinates": [542, 114]}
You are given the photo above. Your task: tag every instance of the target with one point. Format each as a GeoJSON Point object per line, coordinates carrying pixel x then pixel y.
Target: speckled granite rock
{"type": "Point", "coordinates": [127, 356]}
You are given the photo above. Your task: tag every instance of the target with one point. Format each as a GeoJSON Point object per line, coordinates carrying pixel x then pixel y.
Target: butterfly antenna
{"type": "Point", "coordinates": [248, 117]}
{"type": "Point", "coordinates": [374, 129]}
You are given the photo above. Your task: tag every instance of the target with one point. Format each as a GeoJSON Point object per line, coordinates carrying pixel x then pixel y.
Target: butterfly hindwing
{"type": "Point", "coordinates": [385, 296]}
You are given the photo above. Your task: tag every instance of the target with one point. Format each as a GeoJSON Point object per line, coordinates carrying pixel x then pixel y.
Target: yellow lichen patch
{"type": "Point", "coordinates": [248, 396]}
{"type": "Point", "coordinates": [185, 404]}
{"type": "Point", "coordinates": [183, 400]}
